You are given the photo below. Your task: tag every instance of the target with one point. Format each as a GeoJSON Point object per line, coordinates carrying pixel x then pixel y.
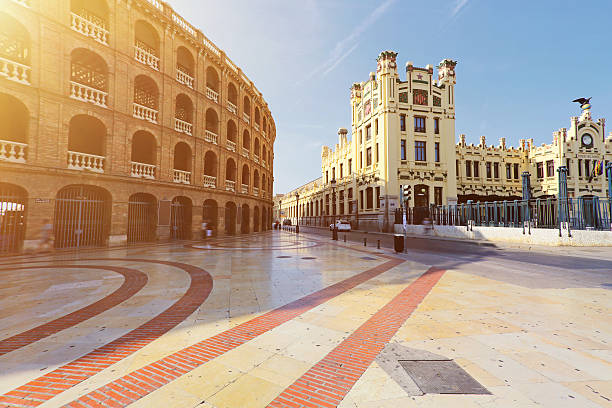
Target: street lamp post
{"type": "Point", "coordinates": [335, 228]}
{"type": "Point", "coordinates": [297, 206]}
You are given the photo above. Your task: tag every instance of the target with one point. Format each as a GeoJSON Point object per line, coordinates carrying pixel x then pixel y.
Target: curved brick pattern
{"type": "Point", "coordinates": [49, 385]}
{"type": "Point", "coordinates": [139, 383]}
{"type": "Point", "coordinates": [134, 281]}
{"type": "Point", "coordinates": [328, 382]}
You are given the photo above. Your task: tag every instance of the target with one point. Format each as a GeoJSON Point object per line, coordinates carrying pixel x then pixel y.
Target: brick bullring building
{"type": "Point", "coordinates": [121, 122]}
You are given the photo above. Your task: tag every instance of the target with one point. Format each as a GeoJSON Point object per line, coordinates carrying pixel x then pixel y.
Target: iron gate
{"type": "Point", "coordinates": [82, 215]}
{"type": "Point", "coordinates": [141, 218]}
{"type": "Point", "coordinates": [180, 218]}
{"type": "Point", "coordinates": [12, 218]}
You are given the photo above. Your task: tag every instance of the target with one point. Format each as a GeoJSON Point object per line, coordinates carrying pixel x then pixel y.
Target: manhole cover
{"type": "Point", "coordinates": [367, 258]}
{"type": "Point", "coordinates": [441, 377]}
{"type": "Point", "coordinates": [308, 257]}
{"type": "Point", "coordinates": [283, 256]}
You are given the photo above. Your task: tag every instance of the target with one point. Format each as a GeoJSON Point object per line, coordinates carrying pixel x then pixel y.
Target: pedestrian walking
{"type": "Point", "coordinates": [46, 235]}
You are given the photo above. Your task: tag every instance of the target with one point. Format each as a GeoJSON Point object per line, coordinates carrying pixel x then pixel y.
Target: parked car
{"type": "Point", "coordinates": [341, 225]}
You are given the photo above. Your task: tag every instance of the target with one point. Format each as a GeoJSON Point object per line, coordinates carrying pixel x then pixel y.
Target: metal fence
{"type": "Point", "coordinates": [580, 213]}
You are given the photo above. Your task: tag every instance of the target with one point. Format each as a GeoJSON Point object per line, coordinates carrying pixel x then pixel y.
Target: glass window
{"type": "Point", "coordinates": [341, 175]}
{"type": "Point", "coordinates": [369, 156]}
{"type": "Point", "coordinates": [377, 197]}
{"type": "Point", "coordinates": [361, 199]}
{"type": "Point", "coordinates": [403, 150]}
{"type": "Point", "coordinates": [376, 127]}
{"type": "Point", "coordinates": [540, 169]}
{"type": "Point", "coordinates": [403, 123]}
{"type": "Point", "coordinates": [350, 163]}
{"type": "Point", "coordinates": [368, 132]}
{"type": "Point", "coordinates": [419, 151]}
{"type": "Point", "coordinates": [496, 170]}
{"type": "Point", "coordinates": [587, 168]}
{"type": "Point", "coordinates": [438, 195]}
{"type": "Point", "coordinates": [488, 168]}
{"type": "Point", "coordinates": [376, 152]}
{"type": "Point", "coordinates": [326, 176]}
{"type": "Point", "coordinates": [333, 173]}
{"type": "Point", "coordinates": [437, 126]}
{"type": "Point", "coordinates": [508, 171]}
{"type": "Point", "coordinates": [476, 169]}
{"type": "Point", "coordinates": [419, 124]}
{"type": "Point", "coordinates": [468, 168]}
{"type": "Point", "coordinates": [550, 168]}
{"type": "Point", "coordinates": [369, 198]}
{"type": "Point", "coordinates": [568, 163]}
{"type": "Point", "coordinates": [516, 171]}
{"type": "Point", "coordinates": [437, 152]}
{"type": "Point", "coordinates": [579, 167]}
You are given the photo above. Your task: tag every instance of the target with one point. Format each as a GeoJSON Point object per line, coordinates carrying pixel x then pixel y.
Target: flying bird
{"type": "Point", "coordinates": [582, 101]}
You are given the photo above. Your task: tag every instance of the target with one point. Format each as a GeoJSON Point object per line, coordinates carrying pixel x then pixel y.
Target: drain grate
{"type": "Point", "coordinates": [308, 257]}
{"type": "Point", "coordinates": [441, 377]}
{"type": "Point", "coordinates": [283, 256]}
{"type": "Point", "coordinates": [367, 258]}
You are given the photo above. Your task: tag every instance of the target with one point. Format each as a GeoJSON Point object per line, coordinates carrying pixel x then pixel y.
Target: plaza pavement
{"type": "Point", "coordinates": [283, 320]}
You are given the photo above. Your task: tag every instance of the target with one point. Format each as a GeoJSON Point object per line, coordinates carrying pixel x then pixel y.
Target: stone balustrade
{"type": "Point", "coordinates": [256, 159]}
{"type": "Point", "coordinates": [210, 137]}
{"type": "Point", "coordinates": [15, 71]}
{"type": "Point", "coordinates": [246, 117]}
{"type": "Point", "coordinates": [255, 191]}
{"type": "Point", "coordinates": [182, 126]}
{"type": "Point", "coordinates": [256, 126]}
{"type": "Point", "coordinates": [245, 152]}
{"type": "Point", "coordinates": [210, 181]}
{"type": "Point", "coordinates": [184, 78]}
{"type": "Point", "coordinates": [145, 113]}
{"type": "Point", "coordinates": [231, 107]}
{"type": "Point", "coordinates": [245, 189]}
{"type": "Point", "coordinates": [13, 151]}
{"type": "Point", "coordinates": [231, 145]}
{"type": "Point", "coordinates": [145, 57]}
{"type": "Point", "coordinates": [88, 28]}
{"type": "Point", "coordinates": [143, 170]}
{"type": "Point", "coordinates": [88, 94]}
{"type": "Point", "coordinates": [212, 95]}
{"type": "Point", "coordinates": [230, 185]}
{"type": "Point", "coordinates": [182, 176]}
{"type": "Point", "coordinates": [84, 161]}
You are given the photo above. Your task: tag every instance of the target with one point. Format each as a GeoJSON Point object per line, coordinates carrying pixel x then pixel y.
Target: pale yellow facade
{"type": "Point", "coordinates": [403, 134]}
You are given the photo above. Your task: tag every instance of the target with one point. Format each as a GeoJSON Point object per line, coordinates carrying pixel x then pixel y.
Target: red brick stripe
{"type": "Point", "coordinates": [134, 281]}
{"type": "Point", "coordinates": [328, 382]}
{"type": "Point", "coordinates": [139, 383]}
{"type": "Point", "coordinates": [51, 384]}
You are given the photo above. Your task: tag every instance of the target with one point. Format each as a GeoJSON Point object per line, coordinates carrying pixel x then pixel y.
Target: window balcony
{"type": "Point", "coordinates": [256, 126]}
{"type": "Point", "coordinates": [231, 107]}
{"type": "Point", "coordinates": [84, 161]}
{"type": "Point", "coordinates": [245, 152]}
{"type": "Point", "coordinates": [231, 146]}
{"type": "Point", "coordinates": [246, 118]}
{"type": "Point", "coordinates": [89, 28]}
{"type": "Point", "coordinates": [143, 170]}
{"type": "Point", "coordinates": [210, 181]}
{"type": "Point", "coordinates": [212, 95]}
{"type": "Point", "coordinates": [255, 191]}
{"type": "Point", "coordinates": [182, 126]}
{"type": "Point", "coordinates": [145, 57]}
{"type": "Point", "coordinates": [210, 137]}
{"type": "Point", "coordinates": [88, 94]}
{"type": "Point", "coordinates": [145, 113]}
{"type": "Point", "coordinates": [15, 71]}
{"type": "Point", "coordinates": [245, 189]}
{"type": "Point", "coordinates": [182, 177]}
{"type": "Point", "coordinates": [256, 159]}
{"type": "Point", "coordinates": [184, 78]}
{"type": "Point", "coordinates": [230, 185]}
{"type": "Point", "coordinates": [13, 151]}
{"type": "Point", "coordinates": [265, 135]}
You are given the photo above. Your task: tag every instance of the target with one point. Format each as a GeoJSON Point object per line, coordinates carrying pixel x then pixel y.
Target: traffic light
{"type": "Point", "coordinates": [407, 192]}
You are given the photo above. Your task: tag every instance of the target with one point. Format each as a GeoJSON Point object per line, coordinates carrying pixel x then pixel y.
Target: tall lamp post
{"type": "Point", "coordinates": [335, 229]}
{"type": "Point", "coordinates": [297, 206]}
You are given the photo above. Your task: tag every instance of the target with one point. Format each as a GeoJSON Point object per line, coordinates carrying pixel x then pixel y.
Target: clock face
{"type": "Point", "coordinates": [587, 140]}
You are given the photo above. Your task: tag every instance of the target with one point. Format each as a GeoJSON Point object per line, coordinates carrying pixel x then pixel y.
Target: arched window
{"type": "Point", "coordinates": [246, 142]}
{"type": "Point", "coordinates": [246, 109]}
{"type": "Point", "coordinates": [146, 44]}
{"type": "Point", "coordinates": [257, 117]}
{"type": "Point", "coordinates": [232, 97]}
{"type": "Point", "coordinates": [212, 84]}
{"type": "Point", "coordinates": [14, 50]}
{"type": "Point", "coordinates": [232, 135]}
{"type": "Point", "coordinates": [230, 170]}
{"type": "Point", "coordinates": [146, 99]}
{"type": "Point", "coordinates": [88, 77]}
{"type": "Point", "coordinates": [210, 169]}
{"type": "Point", "coordinates": [245, 179]}
{"type": "Point", "coordinates": [256, 178]}
{"type": "Point", "coordinates": [185, 67]}
{"type": "Point", "coordinates": [144, 155]}
{"type": "Point", "coordinates": [212, 126]}
{"type": "Point", "coordinates": [182, 163]}
{"type": "Point", "coordinates": [183, 119]}
{"type": "Point", "coordinates": [263, 153]}
{"type": "Point", "coordinates": [14, 119]}
{"type": "Point", "coordinates": [90, 18]}
{"type": "Point", "coordinates": [256, 150]}
{"type": "Point", "coordinates": [86, 144]}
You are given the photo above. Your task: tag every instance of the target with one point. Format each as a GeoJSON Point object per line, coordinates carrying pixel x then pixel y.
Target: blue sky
{"type": "Point", "coordinates": [520, 62]}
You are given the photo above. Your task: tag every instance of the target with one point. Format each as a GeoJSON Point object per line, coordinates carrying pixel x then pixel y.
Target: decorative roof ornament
{"type": "Point", "coordinates": [585, 105]}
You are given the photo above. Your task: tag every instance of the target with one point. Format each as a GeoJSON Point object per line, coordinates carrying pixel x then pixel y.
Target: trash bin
{"type": "Point", "coordinates": [398, 243]}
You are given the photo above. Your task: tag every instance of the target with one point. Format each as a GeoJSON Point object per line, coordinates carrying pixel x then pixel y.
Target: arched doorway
{"type": "Point", "coordinates": [421, 203]}
{"type": "Point", "coordinates": [142, 217]}
{"type": "Point", "coordinates": [264, 219]}
{"type": "Point", "coordinates": [245, 222]}
{"type": "Point", "coordinates": [14, 119]}
{"type": "Point", "coordinates": [589, 206]}
{"type": "Point", "coordinates": [180, 218]}
{"type": "Point", "coordinates": [13, 206]}
{"type": "Point", "coordinates": [82, 216]}
{"type": "Point", "coordinates": [210, 214]}
{"type": "Point", "coordinates": [230, 218]}
{"type": "Point", "coordinates": [256, 219]}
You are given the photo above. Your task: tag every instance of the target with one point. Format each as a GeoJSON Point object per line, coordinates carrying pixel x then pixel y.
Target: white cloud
{"type": "Point", "coordinates": [459, 5]}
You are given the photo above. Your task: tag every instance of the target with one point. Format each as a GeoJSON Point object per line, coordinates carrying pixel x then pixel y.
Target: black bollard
{"type": "Point", "coordinates": [365, 242]}
{"type": "Point", "coordinates": [378, 244]}
{"type": "Point", "coordinates": [335, 234]}
{"type": "Point", "coordinates": [344, 237]}
{"type": "Point", "coordinates": [297, 229]}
